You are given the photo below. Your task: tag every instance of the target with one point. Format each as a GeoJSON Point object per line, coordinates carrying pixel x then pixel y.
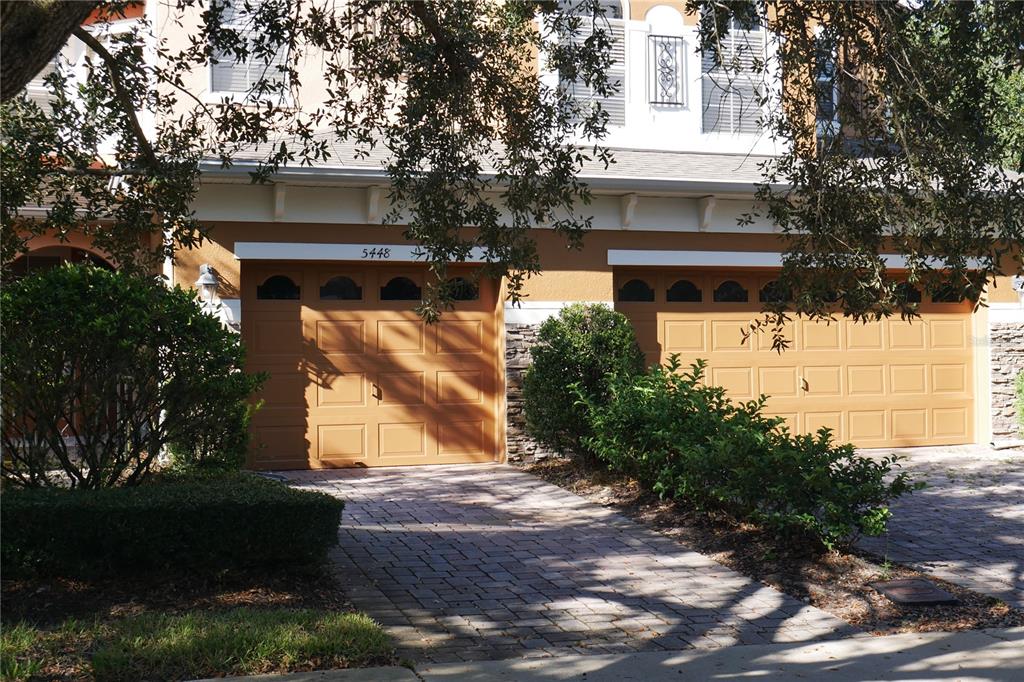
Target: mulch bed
{"type": "Point", "coordinates": [836, 582]}
{"type": "Point", "coordinates": [46, 602]}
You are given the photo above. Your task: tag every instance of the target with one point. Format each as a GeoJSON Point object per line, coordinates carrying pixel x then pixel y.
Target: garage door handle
{"type": "Point", "coordinates": [376, 392]}
{"type": "Point", "coordinates": [804, 385]}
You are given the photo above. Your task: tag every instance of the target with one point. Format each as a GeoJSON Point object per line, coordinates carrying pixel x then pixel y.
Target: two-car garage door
{"type": "Point", "coordinates": [357, 378]}
{"type": "Point", "coordinates": [880, 384]}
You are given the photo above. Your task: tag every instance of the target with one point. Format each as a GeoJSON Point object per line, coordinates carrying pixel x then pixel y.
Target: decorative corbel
{"type": "Point", "coordinates": [627, 207]}
{"type": "Point", "coordinates": [279, 190]}
{"type": "Point", "coordinates": [374, 196]}
{"type": "Point", "coordinates": [705, 211]}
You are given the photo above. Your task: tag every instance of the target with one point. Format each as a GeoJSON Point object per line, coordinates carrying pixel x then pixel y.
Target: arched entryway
{"type": "Point", "coordinates": [51, 256]}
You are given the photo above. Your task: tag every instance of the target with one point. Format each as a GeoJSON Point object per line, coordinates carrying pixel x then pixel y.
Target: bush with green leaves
{"type": "Point", "coordinates": [580, 350]}
{"type": "Point", "coordinates": [103, 370]}
{"type": "Point", "coordinates": [688, 442]}
{"type": "Point", "coordinates": [1020, 401]}
{"type": "Point", "coordinates": [203, 524]}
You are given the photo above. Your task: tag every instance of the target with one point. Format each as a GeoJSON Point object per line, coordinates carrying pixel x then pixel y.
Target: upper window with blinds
{"type": "Point", "coordinates": [732, 84]}
{"type": "Point", "coordinates": [231, 74]}
{"type": "Point", "coordinates": [826, 89]}
{"type": "Point", "coordinates": [614, 25]}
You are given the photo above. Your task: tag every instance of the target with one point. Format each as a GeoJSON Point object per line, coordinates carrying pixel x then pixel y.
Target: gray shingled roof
{"type": "Point", "coordinates": [629, 163]}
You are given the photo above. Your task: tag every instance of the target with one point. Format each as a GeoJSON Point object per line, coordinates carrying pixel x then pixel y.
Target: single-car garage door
{"type": "Point", "coordinates": [880, 384]}
{"type": "Point", "coordinates": [357, 378]}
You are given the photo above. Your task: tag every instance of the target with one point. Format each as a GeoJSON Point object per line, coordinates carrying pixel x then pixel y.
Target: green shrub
{"type": "Point", "coordinates": [689, 442]}
{"type": "Point", "coordinates": [197, 524]}
{"type": "Point", "coordinates": [104, 369]}
{"type": "Point", "coordinates": [1020, 402]}
{"type": "Point", "coordinates": [584, 346]}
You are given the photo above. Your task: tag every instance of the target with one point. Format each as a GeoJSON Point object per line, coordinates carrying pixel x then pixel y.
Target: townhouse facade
{"type": "Point", "coordinates": [324, 293]}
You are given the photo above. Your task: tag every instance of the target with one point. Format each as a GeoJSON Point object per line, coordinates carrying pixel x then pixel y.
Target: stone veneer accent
{"type": "Point", "coordinates": [520, 447]}
{"type": "Point", "coordinates": [1007, 344]}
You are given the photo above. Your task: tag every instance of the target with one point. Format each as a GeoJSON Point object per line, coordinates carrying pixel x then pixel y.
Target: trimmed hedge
{"type": "Point", "coordinates": [180, 523]}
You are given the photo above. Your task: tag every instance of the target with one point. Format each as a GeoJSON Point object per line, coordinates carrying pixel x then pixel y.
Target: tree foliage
{"type": "Point", "coordinates": [478, 146]}
{"type": "Point", "coordinates": [923, 160]}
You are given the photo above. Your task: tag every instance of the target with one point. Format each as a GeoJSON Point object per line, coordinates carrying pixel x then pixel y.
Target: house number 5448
{"type": "Point", "coordinates": [376, 254]}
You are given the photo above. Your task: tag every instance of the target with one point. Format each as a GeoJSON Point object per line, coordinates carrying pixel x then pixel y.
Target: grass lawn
{"type": "Point", "coordinates": [191, 644]}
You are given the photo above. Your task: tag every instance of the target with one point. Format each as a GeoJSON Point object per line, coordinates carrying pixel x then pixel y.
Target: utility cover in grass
{"type": "Point", "coordinates": [914, 592]}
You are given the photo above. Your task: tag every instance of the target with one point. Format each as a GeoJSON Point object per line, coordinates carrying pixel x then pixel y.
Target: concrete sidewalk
{"type": "Point", "coordinates": [967, 656]}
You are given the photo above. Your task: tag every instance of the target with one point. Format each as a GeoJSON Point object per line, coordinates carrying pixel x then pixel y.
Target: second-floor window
{"type": "Point", "coordinates": [826, 89]}
{"type": "Point", "coordinates": [665, 70]}
{"type": "Point", "coordinates": [615, 104]}
{"type": "Point", "coordinates": [731, 88]}
{"type": "Point", "coordinates": [230, 74]}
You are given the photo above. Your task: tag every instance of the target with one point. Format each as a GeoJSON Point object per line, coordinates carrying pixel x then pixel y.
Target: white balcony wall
{"type": "Point", "coordinates": [671, 127]}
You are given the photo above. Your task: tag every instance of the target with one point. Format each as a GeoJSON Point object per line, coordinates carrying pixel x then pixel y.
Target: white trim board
{"type": "Point", "coordinates": [712, 259]}
{"type": "Point", "coordinates": [380, 253]}
{"type": "Point", "coordinates": [747, 259]}
{"type": "Point", "coordinates": [535, 312]}
{"type": "Point", "coordinates": [1006, 313]}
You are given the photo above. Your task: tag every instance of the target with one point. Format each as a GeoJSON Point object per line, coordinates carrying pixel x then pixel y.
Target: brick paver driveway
{"type": "Point", "coordinates": [484, 561]}
{"type": "Point", "coordinates": [967, 526]}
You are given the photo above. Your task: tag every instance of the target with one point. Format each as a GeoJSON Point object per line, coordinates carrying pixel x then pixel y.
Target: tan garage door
{"type": "Point", "coordinates": [887, 383]}
{"type": "Point", "coordinates": [357, 378]}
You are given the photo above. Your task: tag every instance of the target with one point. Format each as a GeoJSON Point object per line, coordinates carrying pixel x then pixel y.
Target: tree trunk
{"type": "Point", "coordinates": [31, 33]}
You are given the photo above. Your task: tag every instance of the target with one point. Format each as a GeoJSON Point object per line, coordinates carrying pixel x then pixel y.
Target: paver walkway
{"type": "Point", "coordinates": [486, 562]}
{"type": "Point", "coordinates": [967, 526]}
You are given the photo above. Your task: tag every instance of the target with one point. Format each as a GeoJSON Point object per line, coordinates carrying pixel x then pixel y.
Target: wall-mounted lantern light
{"type": "Point", "coordinates": [207, 284]}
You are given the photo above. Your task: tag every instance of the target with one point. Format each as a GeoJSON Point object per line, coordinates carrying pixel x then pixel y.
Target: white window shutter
{"type": "Point", "coordinates": [614, 105]}
{"type": "Point", "coordinates": [731, 94]}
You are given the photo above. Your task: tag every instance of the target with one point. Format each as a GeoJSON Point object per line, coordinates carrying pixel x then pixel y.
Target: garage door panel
{"type": "Point", "coordinates": [908, 379]}
{"type": "Point", "coordinates": [866, 380]}
{"type": "Point", "coordinates": [460, 337]}
{"type": "Point", "coordinates": [278, 337]}
{"type": "Point", "coordinates": [833, 420]}
{"type": "Point", "coordinates": [948, 334]}
{"type": "Point", "coordinates": [906, 335]}
{"type": "Point", "coordinates": [461, 387]}
{"type": "Point", "coordinates": [282, 446]}
{"type": "Point", "coordinates": [343, 441]}
{"type": "Point", "coordinates": [406, 440]}
{"type": "Point", "coordinates": [728, 336]}
{"type": "Point", "coordinates": [400, 336]}
{"type": "Point", "coordinates": [344, 337]}
{"type": "Point", "coordinates": [467, 437]}
{"type": "Point", "coordinates": [949, 378]}
{"type": "Point", "coordinates": [910, 424]}
{"type": "Point", "coordinates": [347, 389]}
{"type": "Point", "coordinates": [765, 338]}
{"type": "Point", "coordinates": [884, 383]}
{"type": "Point", "coordinates": [823, 381]}
{"type": "Point", "coordinates": [737, 381]}
{"type": "Point", "coordinates": [864, 336]}
{"type": "Point", "coordinates": [284, 386]}
{"type": "Point", "coordinates": [952, 422]}
{"type": "Point", "coordinates": [778, 382]}
{"type": "Point", "coordinates": [685, 336]}
{"type": "Point", "coordinates": [866, 425]}
{"type": "Point", "coordinates": [819, 336]}
{"type": "Point", "coordinates": [401, 388]}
